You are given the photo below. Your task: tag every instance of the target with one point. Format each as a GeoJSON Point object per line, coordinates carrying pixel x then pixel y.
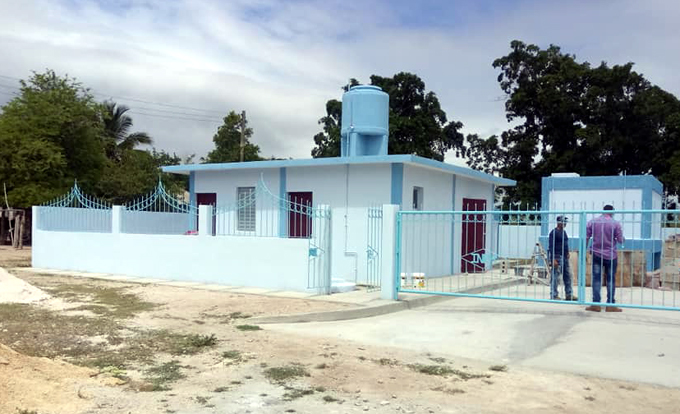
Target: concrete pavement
{"type": "Point", "coordinates": [636, 345]}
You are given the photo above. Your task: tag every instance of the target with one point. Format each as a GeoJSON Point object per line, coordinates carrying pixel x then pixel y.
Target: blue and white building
{"type": "Point", "coordinates": [363, 176]}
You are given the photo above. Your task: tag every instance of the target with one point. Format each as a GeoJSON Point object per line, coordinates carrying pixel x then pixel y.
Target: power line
{"type": "Point", "coordinates": [157, 103]}
{"type": "Point", "coordinates": [176, 117]}
{"type": "Point", "coordinates": [99, 93]}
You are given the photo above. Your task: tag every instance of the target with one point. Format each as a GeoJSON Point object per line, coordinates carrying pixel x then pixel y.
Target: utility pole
{"type": "Point", "coordinates": [243, 132]}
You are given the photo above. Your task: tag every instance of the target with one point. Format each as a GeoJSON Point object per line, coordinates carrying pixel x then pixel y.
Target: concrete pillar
{"type": "Point", "coordinates": [117, 219]}
{"type": "Point", "coordinates": [205, 213]}
{"type": "Point", "coordinates": [388, 282]}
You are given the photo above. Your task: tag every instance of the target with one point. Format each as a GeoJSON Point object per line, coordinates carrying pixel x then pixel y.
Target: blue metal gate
{"type": "Point", "coordinates": [513, 260]}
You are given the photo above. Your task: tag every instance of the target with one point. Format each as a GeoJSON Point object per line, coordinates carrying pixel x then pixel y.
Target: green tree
{"type": "Point", "coordinates": [50, 135]}
{"type": "Point", "coordinates": [605, 120]}
{"type": "Point", "coordinates": [117, 125]}
{"type": "Point", "coordinates": [418, 124]}
{"type": "Point", "coordinates": [228, 142]}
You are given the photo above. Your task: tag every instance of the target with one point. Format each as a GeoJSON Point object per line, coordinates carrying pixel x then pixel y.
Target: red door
{"type": "Point", "coordinates": [473, 239]}
{"type": "Point", "coordinates": [300, 215]}
{"type": "Point", "coordinates": [207, 199]}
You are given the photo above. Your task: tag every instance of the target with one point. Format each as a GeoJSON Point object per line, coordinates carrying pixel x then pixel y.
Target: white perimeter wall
{"type": "Point", "coordinates": [146, 222]}
{"type": "Point", "coordinates": [270, 263]}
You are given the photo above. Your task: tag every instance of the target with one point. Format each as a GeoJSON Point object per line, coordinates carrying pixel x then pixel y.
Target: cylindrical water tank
{"type": "Point", "coordinates": [365, 111]}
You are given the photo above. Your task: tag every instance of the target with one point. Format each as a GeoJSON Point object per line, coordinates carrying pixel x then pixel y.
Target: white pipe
{"type": "Point", "coordinates": [349, 253]}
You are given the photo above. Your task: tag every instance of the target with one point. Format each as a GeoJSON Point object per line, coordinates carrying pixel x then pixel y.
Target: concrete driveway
{"type": "Point", "coordinates": [636, 345]}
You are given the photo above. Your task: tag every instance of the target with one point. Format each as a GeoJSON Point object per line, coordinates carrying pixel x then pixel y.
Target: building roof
{"type": "Point", "coordinates": [318, 162]}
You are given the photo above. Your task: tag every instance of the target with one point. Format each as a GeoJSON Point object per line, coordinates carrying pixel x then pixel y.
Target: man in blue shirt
{"type": "Point", "coordinates": [558, 256]}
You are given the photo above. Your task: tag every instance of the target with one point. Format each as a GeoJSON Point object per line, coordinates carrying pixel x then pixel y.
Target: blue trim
{"type": "Point", "coordinates": [646, 217]}
{"type": "Point", "coordinates": [283, 211]}
{"type": "Point", "coordinates": [397, 184]}
{"type": "Point", "coordinates": [545, 204]}
{"type": "Point", "coordinates": [193, 225]}
{"type": "Point", "coordinates": [378, 159]}
{"type": "Point", "coordinates": [192, 188]}
{"type": "Point", "coordinates": [580, 302]}
{"type": "Point", "coordinates": [453, 223]}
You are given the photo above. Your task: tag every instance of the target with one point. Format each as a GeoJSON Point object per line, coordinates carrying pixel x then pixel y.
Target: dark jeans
{"type": "Point", "coordinates": [563, 268]}
{"type": "Point", "coordinates": [610, 271]}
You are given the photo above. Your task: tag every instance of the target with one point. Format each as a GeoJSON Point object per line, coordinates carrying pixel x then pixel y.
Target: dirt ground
{"type": "Point", "coordinates": [10, 257]}
{"type": "Point", "coordinates": [127, 348]}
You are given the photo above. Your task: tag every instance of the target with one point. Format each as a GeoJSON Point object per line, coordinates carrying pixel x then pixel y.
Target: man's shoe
{"type": "Point", "coordinates": [612, 309]}
{"type": "Point", "coordinates": [572, 298]}
{"type": "Point", "coordinates": [593, 308]}
{"type": "Point", "coordinates": [555, 298]}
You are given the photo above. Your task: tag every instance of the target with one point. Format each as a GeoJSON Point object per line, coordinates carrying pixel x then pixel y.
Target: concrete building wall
{"type": "Point", "coordinates": [349, 190]}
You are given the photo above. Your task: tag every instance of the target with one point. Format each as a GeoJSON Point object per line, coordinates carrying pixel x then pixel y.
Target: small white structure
{"type": "Point", "coordinates": [563, 193]}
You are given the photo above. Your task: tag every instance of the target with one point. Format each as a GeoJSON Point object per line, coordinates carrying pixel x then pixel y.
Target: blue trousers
{"type": "Point", "coordinates": [564, 268]}
{"type": "Point", "coordinates": [609, 267]}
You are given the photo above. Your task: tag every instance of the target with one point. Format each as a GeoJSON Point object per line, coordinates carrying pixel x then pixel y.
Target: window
{"type": "Point", "coordinates": [418, 198]}
{"type": "Point", "coordinates": [246, 208]}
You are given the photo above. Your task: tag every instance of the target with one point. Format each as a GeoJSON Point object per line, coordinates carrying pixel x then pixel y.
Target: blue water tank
{"type": "Point", "coordinates": [365, 121]}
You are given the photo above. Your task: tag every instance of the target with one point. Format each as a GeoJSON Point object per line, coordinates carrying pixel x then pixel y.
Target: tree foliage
{"type": "Point", "coordinates": [418, 124]}
{"type": "Point", "coordinates": [54, 133]}
{"type": "Point", "coordinates": [50, 135]}
{"type": "Point", "coordinates": [228, 142]}
{"type": "Point", "coordinates": [572, 117]}
{"type": "Point", "coordinates": [117, 125]}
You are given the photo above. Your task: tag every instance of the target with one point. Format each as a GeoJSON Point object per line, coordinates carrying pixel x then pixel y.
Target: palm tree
{"type": "Point", "coordinates": [117, 126]}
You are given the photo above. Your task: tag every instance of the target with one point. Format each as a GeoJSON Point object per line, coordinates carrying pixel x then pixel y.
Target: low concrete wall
{"type": "Point", "coordinates": [270, 263]}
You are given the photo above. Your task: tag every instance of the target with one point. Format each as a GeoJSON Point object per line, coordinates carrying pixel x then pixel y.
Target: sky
{"type": "Point", "coordinates": [182, 65]}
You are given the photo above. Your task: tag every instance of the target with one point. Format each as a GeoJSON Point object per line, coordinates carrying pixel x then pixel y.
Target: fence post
{"type": "Point", "coordinates": [582, 253]}
{"type": "Point", "coordinates": [388, 288]}
{"type": "Point", "coordinates": [205, 213]}
{"type": "Point", "coordinates": [117, 219]}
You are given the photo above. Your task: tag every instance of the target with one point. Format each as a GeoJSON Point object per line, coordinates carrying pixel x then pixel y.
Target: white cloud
{"type": "Point", "coordinates": [281, 61]}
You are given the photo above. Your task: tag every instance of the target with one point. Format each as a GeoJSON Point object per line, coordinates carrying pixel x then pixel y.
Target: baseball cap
{"type": "Point", "coordinates": [562, 219]}
{"type": "Point", "coordinates": [608, 207]}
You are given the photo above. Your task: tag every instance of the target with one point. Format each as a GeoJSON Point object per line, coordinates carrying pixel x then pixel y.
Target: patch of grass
{"type": "Point", "coordinates": [108, 301]}
{"type": "Point", "coordinates": [627, 387]}
{"type": "Point", "coordinates": [322, 366]}
{"type": "Point", "coordinates": [282, 374]}
{"type": "Point", "coordinates": [221, 389]}
{"type": "Point", "coordinates": [320, 389]}
{"type": "Point", "coordinates": [21, 411]}
{"type": "Point", "coordinates": [450, 391]}
{"type": "Point", "coordinates": [443, 371]}
{"type": "Point", "coordinates": [438, 360]}
{"type": "Point", "coordinates": [440, 370]}
{"type": "Point", "coordinates": [202, 400]}
{"type": "Point", "coordinates": [236, 383]}
{"type": "Point", "coordinates": [499, 368]}
{"type": "Point", "coordinates": [590, 398]}
{"type": "Point", "coordinates": [295, 393]}
{"type": "Point", "coordinates": [162, 375]}
{"type": "Point", "coordinates": [233, 355]}
{"type": "Point", "coordinates": [238, 315]}
{"type": "Point", "coordinates": [248, 328]}
{"type": "Point", "coordinates": [362, 358]}
{"type": "Point", "coordinates": [329, 399]}
{"type": "Point", "coordinates": [115, 372]}
{"type": "Point", "coordinates": [386, 362]}
{"type": "Point", "coordinates": [248, 377]}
